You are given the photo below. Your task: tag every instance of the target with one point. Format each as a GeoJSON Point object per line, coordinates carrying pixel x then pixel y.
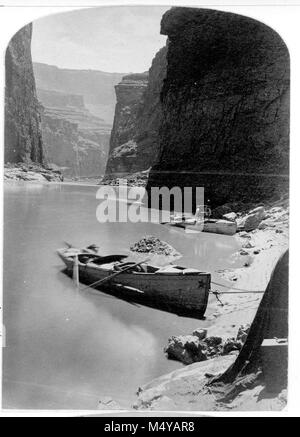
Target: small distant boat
{"type": "Point", "coordinates": [198, 223]}
{"type": "Point", "coordinates": [216, 226]}
{"type": "Point", "coordinates": [173, 288]}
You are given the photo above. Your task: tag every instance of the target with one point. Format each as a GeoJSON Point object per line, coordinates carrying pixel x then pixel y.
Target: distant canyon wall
{"type": "Point", "coordinates": [77, 117]}
{"type": "Point", "coordinates": [74, 139]}
{"type": "Point", "coordinates": [225, 107]}
{"type": "Point", "coordinates": [96, 87]}
{"type": "Point", "coordinates": [134, 142]}
{"type": "Point", "coordinates": [23, 137]}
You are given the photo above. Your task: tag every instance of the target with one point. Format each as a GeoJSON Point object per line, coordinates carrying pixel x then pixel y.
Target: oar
{"type": "Point", "coordinates": [108, 278]}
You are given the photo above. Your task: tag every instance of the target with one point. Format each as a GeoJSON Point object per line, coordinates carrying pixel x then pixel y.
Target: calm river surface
{"type": "Point", "coordinates": [67, 350]}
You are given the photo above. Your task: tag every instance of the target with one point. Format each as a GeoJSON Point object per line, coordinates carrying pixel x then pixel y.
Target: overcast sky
{"type": "Point", "coordinates": [119, 39]}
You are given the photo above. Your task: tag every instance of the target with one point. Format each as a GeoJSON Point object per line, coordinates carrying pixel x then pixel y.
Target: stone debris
{"type": "Point", "coordinates": [198, 347]}
{"type": "Point", "coordinates": [138, 179]}
{"type": "Point", "coordinates": [151, 244]}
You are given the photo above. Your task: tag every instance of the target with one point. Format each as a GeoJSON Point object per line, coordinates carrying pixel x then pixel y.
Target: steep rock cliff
{"type": "Point", "coordinates": [23, 140]}
{"type": "Point", "coordinates": [150, 113]}
{"type": "Point", "coordinates": [225, 104]}
{"type": "Point", "coordinates": [123, 147]}
{"type": "Point", "coordinates": [134, 139]}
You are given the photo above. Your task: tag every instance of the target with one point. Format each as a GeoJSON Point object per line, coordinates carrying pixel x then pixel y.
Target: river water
{"type": "Point", "coordinates": [67, 350]}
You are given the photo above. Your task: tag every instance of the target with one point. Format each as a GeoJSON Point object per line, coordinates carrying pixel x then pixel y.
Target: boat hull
{"type": "Point", "coordinates": [183, 294]}
{"type": "Point", "coordinates": [223, 227]}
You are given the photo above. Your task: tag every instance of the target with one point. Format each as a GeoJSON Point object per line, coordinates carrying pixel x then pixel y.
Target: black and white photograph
{"type": "Point", "coordinates": [146, 178]}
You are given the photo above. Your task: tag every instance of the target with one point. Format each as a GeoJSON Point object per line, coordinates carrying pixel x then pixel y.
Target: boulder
{"type": "Point", "coordinates": [186, 348]}
{"type": "Point", "coordinates": [230, 216]}
{"type": "Point", "coordinates": [220, 211]}
{"type": "Point", "coordinates": [260, 210]}
{"type": "Point", "coordinates": [262, 226]}
{"type": "Point", "coordinates": [248, 245]}
{"type": "Point", "coordinates": [32, 176]}
{"type": "Point", "coordinates": [200, 333]}
{"type": "Point", "coordinates": [230, 345]}
{"type": "Point", "coordinates": [252, 220]}
{"type": "Point", "coordinates": [242, 333]}
{"type": "Point", "coordinates": [244, 235]}
{"type": "Point", "coordinates": [213, 341]}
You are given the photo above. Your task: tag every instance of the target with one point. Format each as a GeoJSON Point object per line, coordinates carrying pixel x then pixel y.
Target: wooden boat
{"type": "Point", "coordinates": [216, 226]}
{"type": "Point", "coordinates": [172, 288]}
{"type": "Point", "coordinates": [200, 222]}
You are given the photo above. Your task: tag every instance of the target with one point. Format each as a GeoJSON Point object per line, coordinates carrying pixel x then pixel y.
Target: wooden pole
{"type": "Point", "coordinates": [76, 272]}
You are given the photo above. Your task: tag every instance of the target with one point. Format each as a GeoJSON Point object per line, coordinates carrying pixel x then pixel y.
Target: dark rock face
{"type": "Point", "coordinates": [225, 105]}
{"type": "Point", "coordinates": [23, 140]}
{"type": "Point", "coordinates": [150, 113]}
{"type": "Point", "coordinates": [134, 140]}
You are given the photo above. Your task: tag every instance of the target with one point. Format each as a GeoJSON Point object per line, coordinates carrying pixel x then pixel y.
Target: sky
{"type": "Point", "coordinates": [112, 39]}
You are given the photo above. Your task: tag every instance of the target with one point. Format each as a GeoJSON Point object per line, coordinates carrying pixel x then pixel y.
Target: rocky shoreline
{"type": "Point", "coordinates": [211, 351]}
{"type": "Point", "coordinates": [138, 179]}
{"type": "Point", "coordinates": [32, 172]}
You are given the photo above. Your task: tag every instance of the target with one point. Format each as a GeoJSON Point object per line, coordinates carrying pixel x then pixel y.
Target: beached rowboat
{"type": "Point", "coordinates": [216, 226]}
{"type": "Point", "coordinates": [173, 288]}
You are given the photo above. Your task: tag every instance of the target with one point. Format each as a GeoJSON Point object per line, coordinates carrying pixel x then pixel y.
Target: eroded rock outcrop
{"type": "Point", "coordinates": [225, 105]}
{"type": "Point", "coordinates": [134, 140]}
{"type": "Point", "coordinates": [23, 140]}
{"type": "Point", "coordinates": [123, 147]}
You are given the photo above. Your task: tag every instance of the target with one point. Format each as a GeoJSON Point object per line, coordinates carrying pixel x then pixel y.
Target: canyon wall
{"type": "Point", "coordinates": [96, 87]}
{"type": "Point", "coordinates": [123, 147]}
{"type": "Point", "coordinates": [78, 115]}
{"type": "Point", "coordinates": [134, 139]}
{"type": "Point", "coordinates": [225, 107]}
{"type": "Point", "coordinates": [23, 139]}
{"type": "Point", "coordinates": [74, 139]}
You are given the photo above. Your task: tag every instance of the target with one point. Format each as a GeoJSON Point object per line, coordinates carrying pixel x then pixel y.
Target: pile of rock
{"type": "Point", "coordinates": [248, 218]}
{"type": "Point", "coordinates": [150, 244]}
{"type": "Point", "coordinates": [199, 347]}
{"type": "Point", "coordinates": [260, 217]}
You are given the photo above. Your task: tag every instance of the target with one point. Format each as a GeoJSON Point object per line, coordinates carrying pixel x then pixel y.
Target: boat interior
{"type": "Point", "coordinates": [116, 263]}
{"type": "Point", "coordinates": [85, 258]}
